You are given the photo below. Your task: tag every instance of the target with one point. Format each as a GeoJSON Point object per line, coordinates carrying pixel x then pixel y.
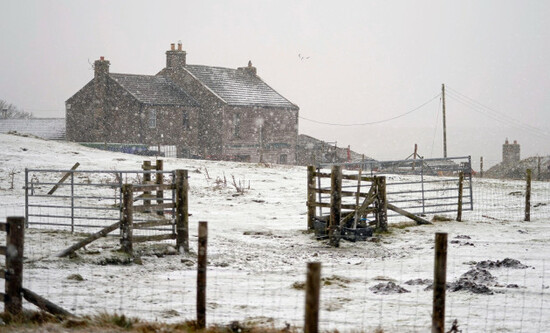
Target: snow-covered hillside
{"type": "Point", "coordinates": [258, 250]}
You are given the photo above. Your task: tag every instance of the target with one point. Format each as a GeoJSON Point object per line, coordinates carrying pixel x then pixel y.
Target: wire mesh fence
{"type": "Point", "coordinates": [498, 271]}
{"type": "Point", "coordinates": [492, 285]}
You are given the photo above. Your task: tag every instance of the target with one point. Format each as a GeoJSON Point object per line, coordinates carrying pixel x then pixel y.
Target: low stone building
{"type": "Point", "coordinates": [510, 153]}
{"type": "Point", "coordinates": [312, 151]}
{"type": "Point", "coordinates": [513, 167]}
{"type": "Point", "coordinates": [205, 111]}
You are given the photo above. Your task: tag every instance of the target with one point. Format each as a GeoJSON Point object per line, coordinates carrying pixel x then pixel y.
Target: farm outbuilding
{"type": "Point", "coordinates": [204, 111]}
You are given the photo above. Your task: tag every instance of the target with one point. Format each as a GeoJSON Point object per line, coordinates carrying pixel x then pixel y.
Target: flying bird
{"type": "Point", "coordinates": [302, 57]}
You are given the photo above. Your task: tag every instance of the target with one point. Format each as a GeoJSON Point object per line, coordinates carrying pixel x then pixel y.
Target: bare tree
{"type": "Point", "coordinates": [10, 111]}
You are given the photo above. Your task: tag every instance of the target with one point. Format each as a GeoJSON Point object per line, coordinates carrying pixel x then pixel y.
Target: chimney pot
{"type": "Point", "coordinates": [172, 46]}
{"type": "Point", "coordinates": [515, 142]}
{"type": "Point", "coordinates": [179, 46]}
{"type": "Point", "coordinates": [102, 58]}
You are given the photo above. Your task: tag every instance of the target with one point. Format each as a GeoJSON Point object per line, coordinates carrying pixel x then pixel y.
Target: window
{"type": "Point", "coordinates": [152, 118]}
{"type": "Point", "coordinates": [185, 123]}
{"type": "Point", "coordinates": [236, 125]}
{"type": "Point", "coordinates": [282, 159]}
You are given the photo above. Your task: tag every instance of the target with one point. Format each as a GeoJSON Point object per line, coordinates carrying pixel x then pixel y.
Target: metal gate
{"type": "Point", "coordinates": [83, 199]}
{"type": "Point", "coordinates": [422, 186]}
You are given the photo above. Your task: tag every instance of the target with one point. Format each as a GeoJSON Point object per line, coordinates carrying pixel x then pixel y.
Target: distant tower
{"type": "Point", "coordinates": [510, 153]}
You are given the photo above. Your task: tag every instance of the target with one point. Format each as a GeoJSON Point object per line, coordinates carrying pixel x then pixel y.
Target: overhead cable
{"type": "Point", "coordinates": [374, 122]}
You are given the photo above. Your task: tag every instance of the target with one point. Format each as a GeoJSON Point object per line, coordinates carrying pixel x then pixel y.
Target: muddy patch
{"type": "Point", "coordinates": [419, 282]}
{"type": "Point", "coordinates": [388, 289]}
{"type": "Point", "coordinates": [507, 263]}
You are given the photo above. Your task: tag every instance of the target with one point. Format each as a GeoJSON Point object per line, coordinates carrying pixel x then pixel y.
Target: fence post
{"type": "Point", "coordinates": [381, 204]}
{"type": "Point", "coordinates": [460, 190]}
{"type": "Point", "coordinates": [319, 196]}
{"type": "Point", "coordinates": [146, 180]}
{"type": "Point", "coordinates": [538, 168]}
{"type": "Point", "coordinates": [440, 283]}
{"type": "Point", "coordinates": [481, 167]}
{"type": "Point", "coordinates": [310, 197]}
{"type": "Point", "coordinates": [72, 202]}
{"type": "Point", "coordinates": [313, 288]}
{"type": "Point", "coordinates": [14, 264]}
{"type": "Point", "coordinates": [201, 274]}
{"type": "Point", "coordinates": [127, 218]}
{"type": "Point", "coordinates": [27, 197]}
{"type": "Point", "coordinates": [528, 196]}
{"type": "Point", "coordinates": [335, 205]}
{"type": "Point", "coordinates": [182, 211]}
{"type": "Point", "coordinates": [159, 180]}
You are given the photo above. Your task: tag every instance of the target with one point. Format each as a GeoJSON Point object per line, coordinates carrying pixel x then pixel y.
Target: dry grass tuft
{"type": "Point", "coordinates": [115, 323]}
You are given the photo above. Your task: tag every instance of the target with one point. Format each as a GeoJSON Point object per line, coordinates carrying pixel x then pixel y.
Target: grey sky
{"type": "Point", "coordinates": [368, 61]}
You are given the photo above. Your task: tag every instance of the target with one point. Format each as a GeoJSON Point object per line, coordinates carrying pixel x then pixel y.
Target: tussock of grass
{"type": "Point", "coordinates": [114, 323]}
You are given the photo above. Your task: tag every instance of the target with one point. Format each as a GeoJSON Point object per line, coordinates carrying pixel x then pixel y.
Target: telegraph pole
{"type": "Point", "coordinates": [444, 122]}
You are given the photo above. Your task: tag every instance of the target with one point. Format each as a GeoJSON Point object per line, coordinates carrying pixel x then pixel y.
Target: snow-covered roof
{"type": "Point", "coordinates": [238, 87]}
{"type": "Point", "coordinates": [155, 90]}
{"type": "Point", "coordinates": [45, 128]}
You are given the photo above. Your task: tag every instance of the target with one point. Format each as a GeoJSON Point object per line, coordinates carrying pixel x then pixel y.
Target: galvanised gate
{"type": "Point", "coordinates": [87, 199]}
{"type": "Point", "coordinates": [420, 186]}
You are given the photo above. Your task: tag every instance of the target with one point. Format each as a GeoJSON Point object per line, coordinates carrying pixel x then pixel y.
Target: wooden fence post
{"type": "Point", "coordinates": [357, 198]}
{"type": "Point", "coordinates": [182, 211]}
{"type": "Point", "coordinates": [310, 197]}
{"type": "Point", "coordinates": [146, 180]}
{"type": "Point", "coordinates": [313, 288]}
{"type": "Point", "coordinates": [528, 196]}
{"type": "Point", "coordinates": [159, 180]}
{"type": "Point", "coordinates": [127, 218]}
{"type": "Point", "coordinates": [440, 283]}
{"type": "Point", "coordinates": [201, 274]}
{"type": "Point", "coordinates": [14, 264]}
{"type": "Point", "coordinates": [538, 168]}
{"type": "Point", "coordinates": [481, 167]}
{"type": "Point", "coordinates": [335, 205]}
{"type": "Point", "coordinates": [381, 204]}
{"type": "Point", "coordinates": [460, 191]}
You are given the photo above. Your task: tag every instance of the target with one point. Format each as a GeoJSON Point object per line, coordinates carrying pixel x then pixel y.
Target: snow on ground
{"type": "Point", "coordinates": [258, 250]}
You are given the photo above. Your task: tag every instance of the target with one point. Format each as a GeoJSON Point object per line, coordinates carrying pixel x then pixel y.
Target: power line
{"type": "Point", "coordinates": [494, 114]}
{"type": "Point", "coordinates": [497, 116]}
{"type": "Point", "coordinates": [373, 122]}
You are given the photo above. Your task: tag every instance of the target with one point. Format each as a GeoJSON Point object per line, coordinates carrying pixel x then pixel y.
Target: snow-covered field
{"type": "Point", "coordinates": [258, 250]}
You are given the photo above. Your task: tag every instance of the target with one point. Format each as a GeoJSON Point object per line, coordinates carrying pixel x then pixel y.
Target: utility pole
{"type": "Point", "coordinates": [444, 122]}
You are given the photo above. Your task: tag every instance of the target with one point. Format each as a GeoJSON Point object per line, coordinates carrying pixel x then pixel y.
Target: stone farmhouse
{"type": "Point", "coordinates": [204, 111]}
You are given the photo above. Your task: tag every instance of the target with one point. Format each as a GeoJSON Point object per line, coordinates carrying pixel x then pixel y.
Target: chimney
{"type": "Point", "coordinates": [101, 67]}
{"type": "Point", "coordinates": [248, 69]}
{"type": "Point", "coordinates": [101, 73]}
{"type": "Point", "coordinates": [175, 58]}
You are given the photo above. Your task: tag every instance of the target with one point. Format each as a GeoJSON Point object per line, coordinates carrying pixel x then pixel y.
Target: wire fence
{"type": "Point", "coordinates": [498, 272]}
{"type": "Point", "coordinates": [486, 293]}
